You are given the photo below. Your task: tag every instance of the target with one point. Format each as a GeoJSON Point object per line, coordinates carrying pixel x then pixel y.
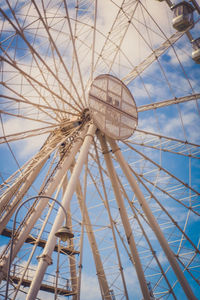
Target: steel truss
{"type": "Point", "coordinates": [133, 204]}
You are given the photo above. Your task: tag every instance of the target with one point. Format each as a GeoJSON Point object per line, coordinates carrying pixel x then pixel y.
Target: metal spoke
{"type": "Point", "coordinates": [100, 113]}
{"type": "Point", "coordinates": [168, 102]}
{"type": "Point", "coordinates": [152, 57]}
{"type": "Point", "coordinates": [25, 134]}
{"type": "Point", "coordinates": [167, 172]}
{"type": "Point", "coordinates": [163, 143]}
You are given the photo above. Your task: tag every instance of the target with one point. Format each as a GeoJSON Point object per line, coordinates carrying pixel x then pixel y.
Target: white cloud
{"type": "Point", "coordinates": [171, 125]}
{"type": "Point", "coordinates": [135, 49]}
{"type": "Point", "coordinates": [90, 288]}
{"type": "Point", "coordinates": [132, 283]}
{"type": "Point", "coordinates": [24, 147]}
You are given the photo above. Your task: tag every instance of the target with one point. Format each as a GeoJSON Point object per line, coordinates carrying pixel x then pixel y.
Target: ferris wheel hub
{"type": "Point", "coordinates": [112, 107]}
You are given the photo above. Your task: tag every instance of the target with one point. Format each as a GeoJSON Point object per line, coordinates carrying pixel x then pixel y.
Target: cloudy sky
{"type": "Point", "coordinates": [51, 51]}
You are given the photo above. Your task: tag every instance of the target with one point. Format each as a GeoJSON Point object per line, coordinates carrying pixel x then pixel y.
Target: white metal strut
{"type": "Point", "coordinates": [152, 221]}
{"type": "Point", "coordinates": [124, 218]}
{"type": "Point", "coordinates": [45, 258]}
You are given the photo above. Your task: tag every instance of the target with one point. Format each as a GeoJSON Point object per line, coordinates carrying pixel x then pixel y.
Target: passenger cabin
{"type": "Point", "coordinates": [183, 16]}
{"type": "Point", "coordinates": [196, 50]}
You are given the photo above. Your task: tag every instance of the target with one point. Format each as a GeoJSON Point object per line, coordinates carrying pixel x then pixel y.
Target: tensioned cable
{"type": "Point", "coordinates": [165, 211]}
{"type": "Point", "coordinates": [33, 50]}
{"type": "Point", "coordinates": [155, 256]}
{"type": "Point", "coordinates": [75, 51]}
{"type": "Point", "coordinates": [111, 221]}
{"type": "Point", "coordinates": [26, 134]}
{"type": "Point", "coordinates": [12, 153]}
{"type": "Point", "coordinates": [169, 85]}
{"type": "Point", "coordinates": [59, 55]}
{"type": "Point", "coordinates": [30, 79]}
{"type": "Point", "coordinates": [163, 169]}
{"type": "Point", "coordinates": [174, 52]}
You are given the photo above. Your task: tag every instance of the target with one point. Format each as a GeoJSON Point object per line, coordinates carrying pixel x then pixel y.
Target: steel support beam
{"type": "Point", "coordinates": [50, 145]}
{"type": "Point", "coordinates": [152, 221]}
{"type": "Point", "coordinates": [72, 260]}
{"type": "Point", "coordinates": [26, 134]}
{"type": "Point", "coordinates": [124, 218]}
{"type": "Point", "coordinates": [45, 258]}
{"type": "Point", "coordinates": [111, 224]}
{"type": "Point", "coordinates": [20, 194]}
{"type": "Point", "coordinates": [152, 57]}
{"type": "Point", "coordinates": [168, 102]}
{"type": "Point", "coordinates": [104, 288]}
{"type": "Point", "coordinates": [42, 204]}
{"type": "Point", "coordinates": [44, 287]}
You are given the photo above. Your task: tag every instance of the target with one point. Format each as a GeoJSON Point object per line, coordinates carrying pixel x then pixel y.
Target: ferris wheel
{"type": "Point", "coordinates": [100, 149]}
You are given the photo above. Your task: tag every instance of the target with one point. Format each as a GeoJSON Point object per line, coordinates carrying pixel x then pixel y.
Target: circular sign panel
{"type": "Point", "coordinates": [112, 107]}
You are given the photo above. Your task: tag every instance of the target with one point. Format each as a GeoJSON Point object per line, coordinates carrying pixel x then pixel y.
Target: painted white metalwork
{"type": "Point", "coordinates": [112, 107]}
{"type": "Point", "coordinates": [153, 223]}
{"type": "Point", "coordinates": [125, 220]}
{"type": "Point", "coordinates": [120, 65]}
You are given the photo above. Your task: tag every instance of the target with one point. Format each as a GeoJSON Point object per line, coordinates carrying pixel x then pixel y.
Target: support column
{"type": "Point", "coordinates": [20, 194]}
{"type": "Point", "coordinates": [152, 221]}
{"type": "Point", "coordinates": [124, 218]}
{"type": "Point", "coordinates": [72, 259]}
{"type": "Point", "coordinates": [61, 171]}
{"type": "Point", "coordinates": [112, 225]}
{"type": "Point", "coordinates": [104, 288]}
{"type": "Point", "coordinates": [45, 258]}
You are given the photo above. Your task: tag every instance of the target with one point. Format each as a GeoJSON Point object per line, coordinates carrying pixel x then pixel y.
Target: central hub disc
{"type": "Point", "coordinates": [112, 107]}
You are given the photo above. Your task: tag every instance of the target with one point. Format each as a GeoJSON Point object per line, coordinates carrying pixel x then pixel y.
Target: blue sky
{"type": "Point", "coordinates": [174, 74]}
